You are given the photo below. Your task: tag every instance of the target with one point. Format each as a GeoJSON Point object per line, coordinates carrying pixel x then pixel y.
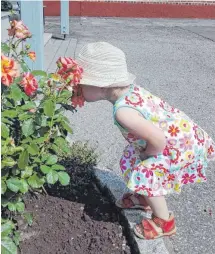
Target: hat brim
{"type": "Point", "coordinates": [93, 81]}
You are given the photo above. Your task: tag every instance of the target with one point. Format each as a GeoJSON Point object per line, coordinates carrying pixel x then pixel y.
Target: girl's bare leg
{"type": "Point", "coordinates": [158, 206]}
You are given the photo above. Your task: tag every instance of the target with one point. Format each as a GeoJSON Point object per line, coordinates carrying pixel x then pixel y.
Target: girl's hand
{"type": "Point", "coordinates": [143, 156]}
{"type": "Point", "coordinates": [135, 123]}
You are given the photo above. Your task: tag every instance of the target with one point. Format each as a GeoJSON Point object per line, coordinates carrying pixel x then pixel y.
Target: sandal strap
{"type": "Point", "coordinates": [165, 225]}
{"type": "Point", "coordinates": [135, 199]}
{"type": "Point", "coordinates": [143, 201]}
{"type": "Point", "coordinates": [149, 227]}
{"type": "Point", "coordinates": [127, 196]}
{"type": "Point", "coordinates": [149, 231]}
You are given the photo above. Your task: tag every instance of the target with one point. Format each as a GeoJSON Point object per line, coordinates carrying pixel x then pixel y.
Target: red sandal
{"type": "Point", "coordinates": [156, 227]}
{"type": "Point", "coordinates": [132, 201]}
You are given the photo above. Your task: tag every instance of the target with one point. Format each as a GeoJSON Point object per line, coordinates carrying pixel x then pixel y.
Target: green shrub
{"type": "Point", "coordinates": [34, 128]}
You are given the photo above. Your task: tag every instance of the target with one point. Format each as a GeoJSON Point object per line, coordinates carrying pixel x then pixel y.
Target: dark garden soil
{"type": "Point", "coordinates": [76, 219]}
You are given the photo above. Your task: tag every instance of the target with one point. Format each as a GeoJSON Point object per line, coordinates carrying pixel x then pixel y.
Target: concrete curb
{"type": "Point", "coordinates": [114, 187]}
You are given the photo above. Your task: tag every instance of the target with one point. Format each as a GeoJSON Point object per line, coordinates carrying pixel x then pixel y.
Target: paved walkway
{"type": "Point", "coordinates": [175, 60]}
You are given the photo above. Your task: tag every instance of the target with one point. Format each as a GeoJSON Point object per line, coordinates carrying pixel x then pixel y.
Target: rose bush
{"type": "Point", "coordinates": [34, 128]}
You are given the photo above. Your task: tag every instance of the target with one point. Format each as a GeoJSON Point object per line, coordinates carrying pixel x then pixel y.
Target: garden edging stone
{"type": "Point", "coordinates": [113, 185]}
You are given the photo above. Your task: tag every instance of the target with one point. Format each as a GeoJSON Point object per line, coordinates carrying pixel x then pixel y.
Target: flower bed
{"type": "Point", "coordinates": [34, 128]}
{"type": "Point", "coordinates": [74, 216]}
{"type": "Point", "coordinates": [73, 219]}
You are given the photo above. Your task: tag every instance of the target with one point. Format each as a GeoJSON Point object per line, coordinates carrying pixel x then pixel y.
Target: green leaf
{"type": "Point", "coordinates": [29, 105]}
{"type": "Point", "coordinates": [58, 167]}
{"type": "Point", "coordinates": [41, 120]}
{"type": "Point", "coordinates": [27, 140]}
{"type": "Point", "coordinates": [25, 97]}
{"type": "Point", "coordinates": [13, 184]}
{"type": "Point", "coordinates": [5, 48]}
{"type": "Point", "coordinates": [29, 218]}
{"type": "Point", "coordinates": [62, 144]}
{"type": "Point", "coordinates": [61, 100]}
{"type": "Point", "coordinates": [4, 174]}
{"type": "Point", "coordinates": [52, 177]}
{"type": "Point", "coordinates": [23, 186]}
{"type": "Point", "coordinates": [52, 159]}
{"type": "Point", "coordinates": [59, 111]}
{"type": "Point", "coordinates": [7, 227]}
{"type": "Point", "coordinates": [4, 150]}
{"type": "Point", "coordinates": [4, 131]}
{"type": "Point", "coordinates": [16, 81]}
{"type": "Point", "coordinates": [4, 202]}
{"type": "Point", "coordinates": [13, 150]}
{"type": "Point", "coordinates": [12, 207]}
{"type": "Point", "coordinates": [67, 127]}
{"type": "Point", "coordinates": [40, 140]}
{"type": "Point", "coordinates": [16, 237]}
{"type": "Point", "coordinates": [20, 206]}
{"type": "Point", "coordinates": [45, 157]}
{"type": "Point", "coordinates": [44, 121]}
{"type": "Point", "coordinates": [33, 149]}
{"type": "Point", "coordinates": [8, 246]}
{"type": "Point", "coordinates": [28, 127]}
{"type": "Point", "coordinates": [64, 96]}
{"type": "Point", "coordinates": [37, 160]}
{"type": "Point", "coordinates": [55, 149]}
{"type": "Point", "coordinates": [35, 182]}
{"type": "Point", "coordinates": [64, 178]}
{"type": "Point", "coordinates": [23, 159]}
{"type": "Point", "coordinates": [15, 171]}
{"type": "Point", "coordinates": [39, 73]}
{"type": "Point", "coordinates": [42, 82]}
{"type": "Point", "coordinates": [24, 66]}
{"type": "Point", "coordinates": [5, 120]}
{"type": "Point", "coordinates": [9, 104]}
{"type": "Point", "coordinates": [49, 107]}
{"type": "Point", "coordinates": [16, 92]}
{"type": "Point", "coordinates": [8, 162]}
{"type": "Point", "coordinates": [27, 172]}
{"type": "Point", "coordinates": [43, 131]}
{"type": "Point", "coordinates": [25, 116]}
{"type": "Point", "coordinates": [62, 118]}
{"type": "Point", "coordinates": [9, 113]}
{"type": "Point", "coordinates": [45, 169]}
{"type": "Point", "coordinates": [3, 187]}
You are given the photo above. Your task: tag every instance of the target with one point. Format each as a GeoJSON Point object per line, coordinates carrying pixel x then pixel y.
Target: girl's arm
{"type": "Point", "coordinates": [136, 124]}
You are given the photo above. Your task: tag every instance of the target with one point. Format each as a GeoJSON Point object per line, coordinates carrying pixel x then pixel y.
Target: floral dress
{"type": "Point", "coordinates": [185, 157]}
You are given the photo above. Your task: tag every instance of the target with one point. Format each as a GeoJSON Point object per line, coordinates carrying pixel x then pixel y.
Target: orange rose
{"type": "Point", "coordinates": [32, 55]}
{"type": "Point", "coordinates": [29, 83]}
{"type": "Point", "coordinates": [66, 63]}
{"type": "Point", "coordinates": [69, 70]}
{"type": "Point", "coordinates": [19, 30]}
{"type": "Point", "coordinates": [9, 70]}
{"type": "Point", "coordinates": [77, 77]}
{"type": "Point", "coordinates": [77, 101]}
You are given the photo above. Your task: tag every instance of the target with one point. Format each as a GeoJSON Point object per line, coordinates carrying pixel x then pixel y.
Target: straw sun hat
{"type": "Point", "coordinates": [104, 66]}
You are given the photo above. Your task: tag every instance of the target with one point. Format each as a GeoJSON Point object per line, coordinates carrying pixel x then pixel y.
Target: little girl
{"type": "Point", "coordinates": [166, 148]}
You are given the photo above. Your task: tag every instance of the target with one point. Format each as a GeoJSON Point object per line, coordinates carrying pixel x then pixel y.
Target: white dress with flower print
{"type": "Point", "coordinates": [183, 161]}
